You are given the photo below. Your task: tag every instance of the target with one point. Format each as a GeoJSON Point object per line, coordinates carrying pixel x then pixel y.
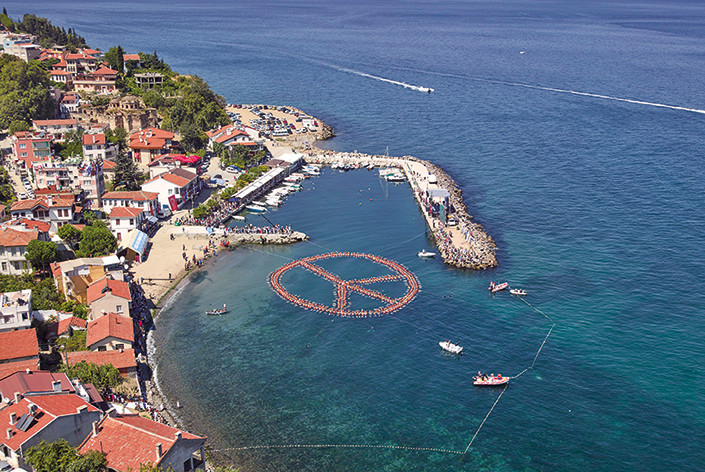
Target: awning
{"type": "Point", "coordinates": [135, 240]}
{"type": "Point", "coordinates": [187, 160]}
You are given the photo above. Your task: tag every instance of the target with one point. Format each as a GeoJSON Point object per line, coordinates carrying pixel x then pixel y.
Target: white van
{"type": "Point", "coordinates": [164, 213]}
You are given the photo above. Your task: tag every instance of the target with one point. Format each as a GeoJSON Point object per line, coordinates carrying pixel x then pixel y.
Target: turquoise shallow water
{"type": "Point", "coordinates": [595, 204]}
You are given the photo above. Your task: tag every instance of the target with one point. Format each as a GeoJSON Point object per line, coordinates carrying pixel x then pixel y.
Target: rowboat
{"type": "Point", "coordinates": [484, 380]}
{"type": "Point", "coordinates": [218, 311]}
{"type": "Point", "coordinates": [497, 287]}
{"type": "Point", "coordinates": [450, 347]}
{"type": "Point", "coordinates": [518, 292]}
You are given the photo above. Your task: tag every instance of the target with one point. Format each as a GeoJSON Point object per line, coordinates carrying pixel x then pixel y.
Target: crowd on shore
{"type": "Point", "coordinates": [217, 215]}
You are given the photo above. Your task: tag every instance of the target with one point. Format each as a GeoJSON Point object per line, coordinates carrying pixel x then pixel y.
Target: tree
{"type": "Point", "coordinates": [119, 137]}
{"type": "Point", "coordinates": [41, 253]}
{"type": "Point", "coordinates": [92, 461]}
{"type": "Point", "coordinates": [75, 342]}
{"type": "Point", "coordinates": [114, 58]}
{"type": "Point", "coordinates": [59, 456]}
{"type": "Point", "coordinates": [96, 240]}
{"type": "Point", "coordinates": [103, 377]}
{"type": "Point", "coordinates": [70, 234]}
{"type": "Point", "coordinates": [126, 173]}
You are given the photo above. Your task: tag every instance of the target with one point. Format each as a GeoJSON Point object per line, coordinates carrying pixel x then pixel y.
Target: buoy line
{"type": "Point", "coordinates": [488, 415]}
{"type": "Point", "coordinates": [321, 446]}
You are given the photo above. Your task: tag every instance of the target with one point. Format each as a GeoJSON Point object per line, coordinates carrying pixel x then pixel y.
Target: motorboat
{"type": "Point", "coordinates": [450, 347]}
{"type": "Point", "coordinates": [497, 287]}
{"type": "Point", "coordinates": [424, 254]}
{"type": "Point", "coordinates": [218, 311]}
{"type": "Point", "coordinates": [239, 218]}
{"type": "Point", "coordinates": [491, 380]}
{"type": "Point", "coordinates": [518, 292]}
{"type": "Point", "coordinates": [256, 208]}
{"type": "Point", "coordinates": [396, 177]}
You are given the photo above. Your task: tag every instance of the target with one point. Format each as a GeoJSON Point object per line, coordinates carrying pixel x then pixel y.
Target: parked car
{"type": "Point", "coordinates": [22, 196]}
{"type": "Point", "coordinates": [231, 169]}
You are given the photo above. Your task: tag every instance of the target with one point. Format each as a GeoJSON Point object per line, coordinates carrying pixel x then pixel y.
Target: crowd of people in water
{"type": "Point", "coordinates": [340, 307]}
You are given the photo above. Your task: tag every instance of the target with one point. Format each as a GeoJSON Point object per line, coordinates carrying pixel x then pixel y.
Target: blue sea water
{"type": "Point", "coordinates": [596, 204]}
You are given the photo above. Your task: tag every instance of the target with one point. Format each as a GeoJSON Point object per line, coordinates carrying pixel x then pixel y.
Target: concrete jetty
{"type": "Point", "coordinates": [461, 242]}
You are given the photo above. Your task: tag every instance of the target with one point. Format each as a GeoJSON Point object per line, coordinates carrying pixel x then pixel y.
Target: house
{"type": "Point", "coordinates": [163, 164]}
{"type": "Point", "coordinates": [31, 383]}
{"type": "Point", "coordinates": [179, 183]}
{"type": "Point", "coordinates": [110, 332]}
{"type": "Point", "coordinates": [131, 440]}
{"type": "Point", "coordinates": [78, 63]}
{"type": "Point", "coordinates": [65, 325]}
{"type": "Point", "coordinates": [15, 310]}
{"type": "Point", "coordinates": [72, 278]}
{"type": "Point", "coordinates": [102, 81]}
{"type": "Point", "coordinates": [63, 77]}
{"type": "Point", "coordinates": [109, 296]}
{"type": "Point", "coordinates": [13, 245]}
{"type": "Point", "coordinates": [55, 211]}
{"type": "Point", "coordinates": [25, 50]}
{"type": "Point", "coordinates": [44, 418]}
{"type": "Point", "coordinates": [69, 102]}
{"type": "Point", "coordinates": [19, 345]}
{"type": "Point", "coordinates": [147, 201]}
{"type": "Point", "coordinates": [50, 173]}
{"type": "Point", "coordinates": [9, 368]}
{"type": "Point", "coordinates": [124, 360]}
{"type": "Point", "coordinates": [95, 146]}
{"type": "Point", "coordinates": [134, 59]}
{"type": "Point", "coordinates": [125, 219]}
{"type": "Point", "coordinates": [29, 147]}
{"type": "Point", "coordinates": [150, 143]}
{"type": "Point", "coordinates": [87, 175]}
{"type": "Point", "coordinates": [56, 129]}
{"type": "Point", "coordinates": [231, 136]}
{"type": "Point", "coordinates": [148, 80]}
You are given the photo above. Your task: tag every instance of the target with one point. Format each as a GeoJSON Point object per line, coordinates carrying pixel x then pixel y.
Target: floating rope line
{"type": "Point", "coordinates": [483, 421]}
{"type": "Point", "coordinates": [320, 446]}
{"type": "Point", "coordinates": [532, 306]}
{"type": "Point", "coordinates": [544, 342]}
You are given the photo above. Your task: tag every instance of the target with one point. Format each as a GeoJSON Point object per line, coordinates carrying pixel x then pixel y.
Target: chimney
{"type": "Point", "coordinates": [9, 433]}
{"type": "Point", "coordinates": [177, 435]}
{"type": "Point", "coordinates": [18, 397]}
{"type": "Point", "coordinates": [13, 418]}
{"type": "Point", "coordinates": [81, 409]}
{"type": "Point", "coordinates": [159, 446]}
{"type": "Point", "coordinates": [56, 385]}
{"type": "Point", "coordinates": [95, 428]}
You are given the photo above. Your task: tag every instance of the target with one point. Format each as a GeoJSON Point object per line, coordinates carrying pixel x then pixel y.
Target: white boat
{"type": "Point", "coordinates": [274, 202]}
{"type": "Point", "coordinates": [424, 254]}
{"type": "Point", "coordinates": [256, 208]}
{"type": "Point", "coordinates": [396, 177]}
{"type": "Point", "coordinates": [518, 292]}
{"type": "Point", "coordinates": [450, 347]}
{"type": "Point", "coordinates": [239, 218]}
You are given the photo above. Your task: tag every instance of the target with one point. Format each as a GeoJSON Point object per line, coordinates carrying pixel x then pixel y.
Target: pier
{"type": "Point", "coordinates": [461, 242]}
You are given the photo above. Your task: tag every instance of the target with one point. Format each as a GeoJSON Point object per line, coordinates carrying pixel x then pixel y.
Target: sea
{"type": "Point", "coordinates": [576, 133]}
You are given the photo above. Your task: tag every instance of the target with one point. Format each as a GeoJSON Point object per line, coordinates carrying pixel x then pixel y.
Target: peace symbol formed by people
{"type": "Point", "coordinates": [344, 288]}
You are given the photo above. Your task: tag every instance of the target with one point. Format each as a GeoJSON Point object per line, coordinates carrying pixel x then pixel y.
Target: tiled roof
{"type": "Point", "coordinates": [131, 440]}
{"type": "Point", "coordinates": [18, 344]}
{"type": "Point", "coordinates": [43, 202]}
{"type": "Point", "coordinates": [67, 121]}
{"type": "Point", "coordinates": [163, 159]}
{"type": "Point", "coordinates": [89, 139]}
{"type": "Point", "coordinates": [42, 226]}
{"type": "Point", "coordinates": [125, 212]}
{"type": "Point", "coordinates": [14, 238]}
{"type": "Point", "coordinates": [183, 173]}
{"type": "Point", "coordinates": [112, 324]}
{"type": "Point", "coordinates": [119, 360]}
{"type": "Point", "coordinates": [72, 321]}
{"type": "Point", "coordinates": [107, 165]}
{"type": "Point", "coordinates": [105, 71]}
{"type": "Point", "coordinates": [135, 196]}
{"type": "Point", "coordinates": [10, 368]}
{"type": "Point", "coordinates": [155, 132]}
{"type": "Point", "coordinates": [51, 407]}
{"type": "Point", "coordinates": [130, 57]}
{"type": "Point", "coordinates": [33, 382]}
{"type": "Point", "coordinates": [97, 290]}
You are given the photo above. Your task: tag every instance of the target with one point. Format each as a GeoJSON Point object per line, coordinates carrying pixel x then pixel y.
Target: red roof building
{"type": "Point", "coordinates": [30, 147]}
{"type": "Point", "coordinates": [44, 418]}
{"type": "Point", "coordinates": [19, 345]}
{"type": "Point", "coordinates": [34, 383]}
{"type": "Point", "coordinates": [10, 368]}
{"type": "Point", "coordinates": [131, 440]}
{"type": "Point", "coordinates": [56, 129]}
{"type": "Point", "coordinates": [102, 81]}
{"type": "Point", "coordinates": [109, 296]}
{"type": "Point", "coordinates": [150, 143]}
{"type": "Point", "coordinates": [55, 211]}
{"type": "Point", "coordinates": [110, 332]}
{"type": "Point", "coordinates": [123, 360]}
{"type": "Point", "coordinates": [147, 201]}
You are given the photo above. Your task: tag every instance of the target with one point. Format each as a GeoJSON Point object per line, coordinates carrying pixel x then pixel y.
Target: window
{"type": "Point", "coordinates": [102, 348]}
{"type": "Point", "coordinates": [87, 183]}
{"type": "Point", "coordinates": [23, 146]}
{"type": "Point", "coordinates": [119, 346]}
{"type": "Point", "coordinates": [4, 266]}
{"type": "Point", "coordinates": [23, 154]}
{"type": "Point", "coordinates": [170, 191]}
{"type": "Point", "coordinates": [15, 265]}
{"type": "Point", "coordinates": [25, 316]}
{"type": "Point", "coordinates": [132, 221]}
{"type": "Point", "coordinates": [118, 308]}
{"type": "Point", "coordinates": [117, 221]}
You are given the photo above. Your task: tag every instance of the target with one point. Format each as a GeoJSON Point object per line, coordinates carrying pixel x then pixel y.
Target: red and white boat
{"type": "Point", "coordinates": [497, 287]}
{"type": "Point", "coordinates": [491, 380]}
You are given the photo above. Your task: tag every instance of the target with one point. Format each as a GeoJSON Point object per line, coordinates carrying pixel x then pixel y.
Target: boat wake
{"type": "Point", "coordinates": [382, 79]}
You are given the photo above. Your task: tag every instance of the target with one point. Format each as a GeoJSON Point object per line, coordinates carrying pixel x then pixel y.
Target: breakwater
{"type": "Point", "coordinates": [461, 242]}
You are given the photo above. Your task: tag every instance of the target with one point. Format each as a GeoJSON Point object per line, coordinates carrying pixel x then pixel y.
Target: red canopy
{"type": "Point", "coordinates": [186, 160]}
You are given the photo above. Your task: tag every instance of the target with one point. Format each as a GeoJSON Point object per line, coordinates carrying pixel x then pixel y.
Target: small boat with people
{"type": "Point", "coordinates": [450, 347]}
{"type": "Point", "coordinates": [218, 311]}
{"type": "Point", "coordinates": [423, 254]}
{"type": "Point", "coordinates": [491, 380]}
{"type": "Point", "coordinates": [497, 287]}
{"type": "Point", "coordinates": [518, 292]}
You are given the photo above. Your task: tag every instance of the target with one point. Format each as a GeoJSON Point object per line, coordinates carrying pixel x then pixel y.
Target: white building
{"type": "Point", "coordinates": [179, 183]}
{"type": "Point", "coordinates": [125, 219]}
{"type": "Point", "coordinates": [15, 310]}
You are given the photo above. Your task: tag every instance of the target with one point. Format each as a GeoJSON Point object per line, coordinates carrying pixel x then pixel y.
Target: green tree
{"type": "Point", "coordinates": [72, 145]}
{"type": "Point", "coordinates": [118, 136]}
{"type": "Point", "coordinates": [70, 234]}
{"type": "Point", "coordinates": [91, 461]}
{"type": "Point", "coordinates": [75, 342]}
{"type": "Point", "coordinates": [114, 58]}
{"type": "Point", "coordinates": [51, 456]}
{"type": "Point", "coordinates": [126, 173]}
{"type": "Point", "coordinates": [96, 241]}
{"type": "Point", "coordinates": [41, 253]}
{"type": "Point", "coordinates": [24, 91]}
{"type": "Point", "coordinates": [102, 376]}
{"type": "Point", "coordinates": [19, 125]}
